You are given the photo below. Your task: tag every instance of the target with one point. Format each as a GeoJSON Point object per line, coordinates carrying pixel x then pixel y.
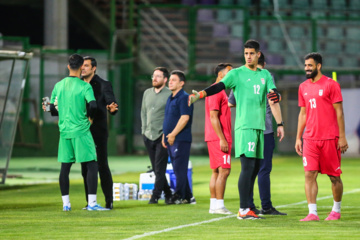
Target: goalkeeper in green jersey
{"type": "Point", "coordinates": [252, 87]}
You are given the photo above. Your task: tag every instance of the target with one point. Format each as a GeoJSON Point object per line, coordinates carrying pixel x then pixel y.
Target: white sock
{"type": "Point", "coordinates": [66, 200]}
{"type": "Point", "coordinates": [219, 203]}
{"type": "Point", "coordinates": [244, 211]}
{"type": "Point", "coordinates": [92, 200]}
{"type": "Point", "coordinates": [337, 207]}
{"type": "Point", "coordinates": [212, 203]}
{"type": "Point", "coordinates": [312, 208]}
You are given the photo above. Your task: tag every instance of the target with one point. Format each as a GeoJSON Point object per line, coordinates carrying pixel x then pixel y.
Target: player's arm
{"type": "Point", "coordinates": [300, 130]}
{"type": "Point", "coordinates": [92, 109]}
{"type": "Point", "coordinates": [342, 143]}
{"type": "Point", "coordinates": [213, 89]}
{"type": "Point", "coordinates": [53, 110]}
{"type": "Point", "coordinates": [276, 111]}
{"type": "Point", "coordinates": [231, 100]}
{"type": "Point", "coordinates": [184, 119]}
{"type": "Point", "coordinates": [215, 123]}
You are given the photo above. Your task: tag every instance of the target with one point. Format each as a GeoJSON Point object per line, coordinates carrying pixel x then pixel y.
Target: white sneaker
{"type": "Point", "coordinates": [211, 211]}
{"type": "Point", "coordinates": [222, 211]}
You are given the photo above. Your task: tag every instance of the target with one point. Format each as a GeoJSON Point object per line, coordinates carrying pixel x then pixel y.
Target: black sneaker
{"type": "Point", "coordinates": [168, 200]}
{"type": "Point", "coordinates": [255, 210]}
{"type": "Point", "coordinates": [153, 200]}
{"type": "Point", "coordinates": [109, 205]}
{"type": "Point", "coordinates": [271, 211]}
{"type": "Point", "coordinates": [189, 201]}
{"type": "Point", "coordinates": [176, 199]}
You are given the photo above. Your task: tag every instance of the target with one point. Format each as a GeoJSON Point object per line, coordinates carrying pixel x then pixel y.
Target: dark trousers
{"type": "Point", "coordinates": [264, 173]}
{"type": "Point", "coordinates": [249, 170]}
{"type": "Point", "coordinates": [159, 158]}
{"type": "Point", "coordinates": [91, 179]}
{"type": "Point", "coordinates": [179, 154]}
{"type": "Point", "coordinates": [104, 170]}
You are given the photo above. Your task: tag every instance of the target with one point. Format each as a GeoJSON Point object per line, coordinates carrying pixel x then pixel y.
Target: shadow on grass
{"type": "Point", "coordinates": [13, 187]}
{"type": "Point", "coordinates": [14, 206]}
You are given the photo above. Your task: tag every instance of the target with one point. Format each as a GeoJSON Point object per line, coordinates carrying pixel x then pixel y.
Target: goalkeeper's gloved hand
{"type": "Point", "coordinates": [56, 103]}
{"type": "Point", "coordinates": [193, 97]}
{"type": "Point", "coordinates": [274, 95]}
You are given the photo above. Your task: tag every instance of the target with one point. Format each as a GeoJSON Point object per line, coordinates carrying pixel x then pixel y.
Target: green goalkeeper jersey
{"type": "Point", "coordinates": [72, 94]}
{"type": "Point", "coordinates": [250, 89]}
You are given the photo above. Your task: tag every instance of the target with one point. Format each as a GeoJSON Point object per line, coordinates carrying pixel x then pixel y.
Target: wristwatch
{"type": "Point", "coordinates": [280, 124]}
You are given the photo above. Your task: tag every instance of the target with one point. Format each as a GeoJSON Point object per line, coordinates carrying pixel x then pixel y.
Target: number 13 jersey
{"type": "Point", "coordinates": [318, 99]}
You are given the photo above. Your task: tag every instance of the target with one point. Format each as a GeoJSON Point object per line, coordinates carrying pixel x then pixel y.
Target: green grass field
{"type": "Point", "coordinates": [33, 211]}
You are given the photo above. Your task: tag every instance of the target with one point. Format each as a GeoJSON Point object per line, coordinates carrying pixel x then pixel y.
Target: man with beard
{"type": "Point", "coordinates": [106, 102]}
{"type": "Point", "coordinates": [321, 112]}
{"type": "Point", "coordinates": [152, 118]}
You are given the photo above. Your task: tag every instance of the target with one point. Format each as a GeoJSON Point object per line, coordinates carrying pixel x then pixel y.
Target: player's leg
{"type": "Point", "coordinates": [311, 158]}
{"type": "Point", "coordinates": [212, 184]}
{"type": "Point", "coordinates": [84, 175]}
{"type": "Point", "coordinates": [251, 204]}
{"type": "Point", "coordinates": [264, 177]}
{"type": "Point", "coordinates": [65, 185]}
{"type": "Point", "coordinates": [66, 156]}
{"type": "Point", "coordinates": [311, 187]}
{"type": "Point", "coordinates": [220, 190]}
{"type": "Point", "coordinates": [251, 149]}
{"type": "Point", "coordinates": [264, 172]}
{"type": "Point", "coordinates": [331, 165]}
{"type": "Point", "coordinates": [106, 180]}
{"type": "Point", "coordinates": [248, 166]}
{"type": "Point", "coordinates": [337, 190]}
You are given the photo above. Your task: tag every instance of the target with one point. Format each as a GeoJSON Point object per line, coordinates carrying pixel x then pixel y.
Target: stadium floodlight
{"type": "Point", "coordinates": [13, 71]}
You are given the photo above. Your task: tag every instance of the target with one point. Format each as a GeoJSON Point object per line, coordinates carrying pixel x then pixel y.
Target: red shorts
{"type": "Point", "coordinates": [322, 156]}
{"type": "Point", "coordinates": [217, 157]}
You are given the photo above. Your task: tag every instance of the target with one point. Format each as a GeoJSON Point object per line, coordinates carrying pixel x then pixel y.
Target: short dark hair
{"type": "Point", "coordinates": [75, 61]}
{"type": "Point", "coordinates": [261, 60]}
{"type": "Point", "coordinates": [164, 71]}
{"type": "Point", "coordinates": [251, 43]}
{"type": "Point", "coordinates": [180, 74]}
{"type": "Point", "coordinates": [220, 67]}
{"type": "Point", "coordinates": [314, 55]}
{"type": "Point", "coordinates": [93, 61]}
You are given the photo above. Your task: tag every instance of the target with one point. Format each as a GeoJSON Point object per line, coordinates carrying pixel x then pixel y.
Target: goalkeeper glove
{"type": "Point", "coordinates": [195, 96]}
{"type": "Point", "coordinates": [274, 96]}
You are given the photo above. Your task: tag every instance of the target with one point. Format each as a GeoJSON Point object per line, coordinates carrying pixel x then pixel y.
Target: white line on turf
{"type": "Point", "coordinates": [221, 218]}
{"type": "Point", "coordinates": [178, 227]}
{"type": "Point", "coordinates": [318, 199]}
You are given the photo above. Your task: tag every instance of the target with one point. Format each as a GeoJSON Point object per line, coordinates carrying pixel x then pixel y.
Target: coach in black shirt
{"type": "Point", "coordinates": [105, 100]}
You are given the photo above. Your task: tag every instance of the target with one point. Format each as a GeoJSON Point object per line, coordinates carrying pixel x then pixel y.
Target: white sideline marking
{"type": "Point", "coordinates": [318, 199]}
{"type": "Point", "coordinates": [178, 227]}
{"type": "Point", "coordinates": [221, 218]}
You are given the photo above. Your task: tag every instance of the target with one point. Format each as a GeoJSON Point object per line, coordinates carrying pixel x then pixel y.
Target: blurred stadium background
{"type": "Point", "coordinates": [131, 37]}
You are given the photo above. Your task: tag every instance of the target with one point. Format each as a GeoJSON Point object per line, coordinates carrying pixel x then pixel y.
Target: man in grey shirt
{"type": "Point", "coordinates": [152, 118]}
{"type": "Point", "coordinates": [266, 163]}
